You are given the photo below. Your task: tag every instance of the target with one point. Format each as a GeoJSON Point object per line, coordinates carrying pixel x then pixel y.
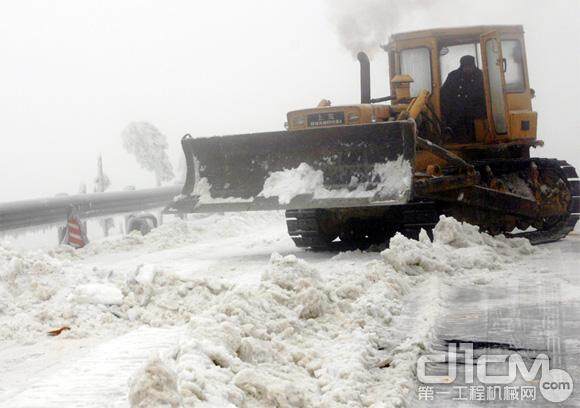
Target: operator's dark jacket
{"type": "Point", "coordinates": [463, 98]}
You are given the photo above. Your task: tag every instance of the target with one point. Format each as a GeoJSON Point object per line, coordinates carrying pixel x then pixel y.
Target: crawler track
{"type": "Point", "coordinates": [568, 222]}
{"type": "Point", "coordinates": [309, 228]}
{"type": "Point", "coordinates": [306, 230]}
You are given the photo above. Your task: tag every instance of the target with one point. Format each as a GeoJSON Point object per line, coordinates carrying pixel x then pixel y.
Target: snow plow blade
{"type": "Point", "coordinates": [334, 167]}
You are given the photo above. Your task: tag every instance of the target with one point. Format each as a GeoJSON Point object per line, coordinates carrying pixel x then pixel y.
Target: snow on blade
{"type": "Point", "coordinates": [288, 184]}
{"type": "Point", "coordinates": [393, 181]}
{"type": "Point", "coordinates": [202, 189]}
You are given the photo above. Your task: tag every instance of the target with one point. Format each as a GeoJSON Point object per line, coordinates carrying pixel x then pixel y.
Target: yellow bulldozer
{"type": "Point", "coordinates": [355, 175]}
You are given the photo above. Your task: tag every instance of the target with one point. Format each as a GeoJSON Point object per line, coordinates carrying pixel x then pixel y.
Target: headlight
{"type": "Point", "coordinates": [353, 117]}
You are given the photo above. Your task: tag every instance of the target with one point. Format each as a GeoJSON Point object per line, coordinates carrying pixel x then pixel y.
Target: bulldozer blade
{"type": "Point", "coordinates": [334, 167]}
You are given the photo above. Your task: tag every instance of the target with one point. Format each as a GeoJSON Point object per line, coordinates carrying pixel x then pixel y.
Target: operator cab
{"type": "Point", "coordinates": [433, 57]}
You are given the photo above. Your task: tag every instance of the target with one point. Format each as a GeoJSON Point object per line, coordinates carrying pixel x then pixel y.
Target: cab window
{"type": "Point", "coordinates": [496, 91]}
{"type": "Point", "coordinates": [514, 65]}
{"type": "Point", "coordinates": [416, 62]}
{"type": "Point", "coordinates": [449, 57]}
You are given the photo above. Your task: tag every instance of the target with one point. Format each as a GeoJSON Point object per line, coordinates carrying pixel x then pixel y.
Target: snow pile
{"type": "Point", "coordinates": [154, 386]}
{"type": "Point", "coordinates": [172, 234]}
{"type": "Point", "coordinates": [42, 291]}
{"type": "Point", "coordinates": [177, 233]}
{"type": "Point", "coordinates": [325, 337]}
{"type": "Point", "coordinates": [307, 335]}
{"type": "Point", "coordinates": [39, 293]}
{"type": "Point", "coordinates": [391, 181]}
{"type": "Point", "coordinates": [456, 247]}
{"type": "Point", "coordinates": [97, 294]}
{"type": "Point", "coordinates": [297, 340]}
{"type": "Point", "coordinates": [26, 278]}
{"type": "Point", "coordinates": [166, 299]}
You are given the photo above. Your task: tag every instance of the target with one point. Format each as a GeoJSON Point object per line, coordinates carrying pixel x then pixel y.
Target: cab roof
{"type": "Point", "coordinates": [456, 33]}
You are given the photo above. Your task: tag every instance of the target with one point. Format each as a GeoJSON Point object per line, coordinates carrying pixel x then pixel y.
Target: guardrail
{"type": "Point", "coordinates": [38, 212]}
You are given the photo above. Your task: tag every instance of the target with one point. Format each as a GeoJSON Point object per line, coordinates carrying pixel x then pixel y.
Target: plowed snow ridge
{"type": "Point", "coordinates": [310, 337]}
{"type": "Point", "coordinates": [324, 332]}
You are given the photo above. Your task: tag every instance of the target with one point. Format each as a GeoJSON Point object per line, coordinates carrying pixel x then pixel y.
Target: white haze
{"type": "Point", "coordinates": [365, 25]}
{"type": "Point", "coordinates": [74, 73]}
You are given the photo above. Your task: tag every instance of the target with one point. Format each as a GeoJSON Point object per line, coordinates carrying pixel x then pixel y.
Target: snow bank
{"type": "Point", "coordinates": [456, 247]}
{"type": "Point", "coordinates": [26, 278]}
{"type": "Point", "coordinates": [154, 386]}
{"type": "Point", "coordinates": [97, 294]}
{"type": "Point", "coordinates": [39, 293]}
{"type": "Point", "coordinates": [302, 338]}
{"type": "Point", "coordinates": [45, 290]}
{"type": "Point", "coordinates": [325, 335]}
{"type": "Point", "coordinates": [177, 233]}
{"type": "Point", "coordinates": [393, 181]}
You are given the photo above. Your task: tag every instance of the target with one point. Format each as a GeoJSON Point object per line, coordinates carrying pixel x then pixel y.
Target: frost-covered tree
{"type": "Point", "coordinates": [149, 146]}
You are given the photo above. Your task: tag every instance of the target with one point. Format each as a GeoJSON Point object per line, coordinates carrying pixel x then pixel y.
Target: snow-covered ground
{"type": "Point", "coordinates": [223, 310]}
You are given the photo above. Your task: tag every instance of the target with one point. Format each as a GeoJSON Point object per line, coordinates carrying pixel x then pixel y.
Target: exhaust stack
{"type": "Point", "coordinates": [365, 77]}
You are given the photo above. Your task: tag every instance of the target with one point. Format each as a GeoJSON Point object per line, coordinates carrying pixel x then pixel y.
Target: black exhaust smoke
{"type": "Point", "coordinates": [365, 77]}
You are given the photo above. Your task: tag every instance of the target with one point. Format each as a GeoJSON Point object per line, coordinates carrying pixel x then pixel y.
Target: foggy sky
{"type": "Point", "coordinates": [74, 73]}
